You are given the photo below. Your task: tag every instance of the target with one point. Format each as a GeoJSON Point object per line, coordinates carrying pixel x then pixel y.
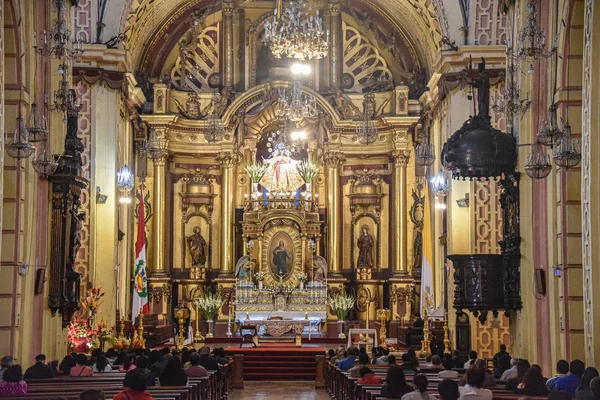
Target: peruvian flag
{"type": "Point", "coordinates": [140, 275]}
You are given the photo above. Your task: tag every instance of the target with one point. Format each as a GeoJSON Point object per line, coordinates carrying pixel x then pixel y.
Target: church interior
{"type": "Point", "coordinates": [273, 179]}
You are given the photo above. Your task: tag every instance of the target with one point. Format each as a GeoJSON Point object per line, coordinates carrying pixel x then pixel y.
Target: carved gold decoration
{"type": "Point", "coordinates": [181, 314]}
{"type": "Point", "coordinates": [425, 343]}
{"type": "Point", "coordinates": [383, 316]}
{"type": "Point", "coordinates": [363, 63]}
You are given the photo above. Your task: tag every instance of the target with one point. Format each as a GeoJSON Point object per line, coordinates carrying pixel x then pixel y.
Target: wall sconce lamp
{"type": "Point", "coordinates": [464, 202]}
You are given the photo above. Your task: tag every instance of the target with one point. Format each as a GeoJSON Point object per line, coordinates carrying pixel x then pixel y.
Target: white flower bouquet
{"type": "Point", "coordinates": [209, 304]}
{"type": "Point", "coordinates": [341, 303]}
{"type": "Point", "coordinates": [301, 276]}
{"type": "Point", "coordinates": [308, 170]}
{"type": "Point", "coordinates": [256, 171]}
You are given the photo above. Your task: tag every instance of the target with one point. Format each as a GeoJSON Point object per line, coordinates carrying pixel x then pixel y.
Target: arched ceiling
{"type": "Point", "coordinates": [146, 22]}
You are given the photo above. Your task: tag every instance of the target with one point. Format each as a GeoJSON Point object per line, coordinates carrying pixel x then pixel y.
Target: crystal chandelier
{"type": "Point", "coordinates": [425, 153]}
{"type": "Point", "coordinates": [295, 32]}
{"type": "Point", "coordinates": [532, 38]}
{"type": "Point", "coordinates": [299, 107]}
{"type": "Point", "coordinates": [439, 185]}
{"type": "Point", "coordinates": [509, 102]}
{"type": "Point", "coordinates": [125, 180]}
{"type": "Point", "coordinates": [567, 153]}
{"type": "Point", "coordinates": [549, 131]}
{"type": "Point", "coordinates": [65, 98]}
{"type": "Point", "coordinates": [366, 131]}
{"type": "Point", "coordinates": [538, 165]}
{"type": "Point", "coordinates": [38, 125]}
{"type": "Point", "coordinates": [19, 146]}
{"type": "Point", "coordinates": [215, 130]}
{"type": "Point", "coordinates": [57, 42]}
{"type": "Point", "coordinates": [44, 164]}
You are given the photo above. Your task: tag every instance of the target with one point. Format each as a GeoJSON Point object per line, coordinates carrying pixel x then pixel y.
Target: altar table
{"type": "Point", "coordinates": [282, 326]}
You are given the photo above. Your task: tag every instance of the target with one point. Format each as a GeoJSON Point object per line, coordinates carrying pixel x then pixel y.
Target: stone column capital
{"type": "Point", "coordinates": [334, 8]}
{"type": "Point", "coordinates": [227, 159]}
{"type": "Point", "coordinates": [334, 159]}
{"type": "Point", "coordinates": [400, 157]}
{"type": "Point", "coordinates": [228, 8]}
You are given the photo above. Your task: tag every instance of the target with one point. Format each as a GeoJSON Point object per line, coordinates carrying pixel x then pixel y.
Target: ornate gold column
{"type": "Point", "coordinates": [400, 211]}
{"type": "Point", "coordinates": [227, 160]}
{"type": "Point", "coordinates": [228, 38]}
{"type": "Point", "coordinates": [159, 200]}
{"type": "Point", "coordinates": [334, 68]}
{"type": "Point", "coordinates": [333, 160]}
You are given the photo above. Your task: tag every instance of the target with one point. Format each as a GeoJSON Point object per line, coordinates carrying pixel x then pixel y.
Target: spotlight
{"type": "Point", "coordinates": [464, 202]}
{"type": "Point", "coordinates": [300, 69]}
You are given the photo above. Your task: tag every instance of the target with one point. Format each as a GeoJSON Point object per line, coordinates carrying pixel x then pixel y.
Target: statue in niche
{"type": "Point", "coordinates": [244, 269]}
{"type": "Point", "coordinates": [317, 269]}
{"type": "Point", "coordinates": [197, 246]}
{"type": "Point", "coordinates": [365, 248]}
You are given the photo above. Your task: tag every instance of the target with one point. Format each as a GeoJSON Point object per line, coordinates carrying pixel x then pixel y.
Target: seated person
{"type": "Point", "coordinates": [348, 362]}
{"type": "Point", "coordinates": [12, 381]}
{"type": "Point", "coordinates": [448, 372]}
{"type": "Point", "coordinates": [141, 367]}
{"type": "Point", "coordinates": [92, 394]}
{"type": "Point", "coordinates": [173, 375]}
{"type": "Point", "coordinates": [436, 362]}
{"type": "Point", "coordinates": [136, 389]}
{"type": "Point", "coordinates": [383, 360]}
{"type": "Point", "coordinates": [395, 385]}
{"type": "Point", "coordinates": [562, 369]}
{"type": "Point", "coordinates": [471, 360]}
{"type": "Point", "coordinates": [208, 362]}
{"type": "Point", "coordinates": [81, 369]}
{"type": "Point", "coordinates": [420, 383]}
{"type": "Point", "coordinates": [473, 390]}
{"type": "Point", "coordinates": [448, 390]}
{"type": "Point", "coordinates": [367, 377]}
{"type": "Point", "coordinates": [533, 383]}
{"type": "Point", "coordinates": [195, 369]}
{"type": "Point", "coordinates": [407, 364]}
{"type": "Point", "coordinates": [363, 361]}
{"type": "Point", "coordinates": [102, 364]}
{"type": "Point", "coordinates": [39, 370]}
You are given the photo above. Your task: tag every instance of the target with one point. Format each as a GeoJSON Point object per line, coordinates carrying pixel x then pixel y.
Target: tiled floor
{"type": "Point", "coordinates": [276, 390]}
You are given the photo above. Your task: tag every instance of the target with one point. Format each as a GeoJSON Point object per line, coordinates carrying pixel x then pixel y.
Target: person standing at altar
{"type": "Point", "coordinates": [280, 258]}
{"type": "Point", "coordinates": [365, 245]}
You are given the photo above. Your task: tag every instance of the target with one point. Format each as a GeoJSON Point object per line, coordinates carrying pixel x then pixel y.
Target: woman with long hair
{"type": "Point", "coordinates": [420, 383]}
{"type": "Point", "coordinates": [173, 374]}
{"type": "Point", "coordinates": [522, 367]}
{"type": "Point", "coordinates": [533, 383]}
{"type": "Point", "coordinates": [13, 383]}
{"type": "Point", "coordinates": [64, 368]}
{"type": "Point", "coordinates": [584, 392]}
{"type": "Point", "coordinates": [102, 364]}
{"type": "Point", "coordinates": [395, 385]}
{"type": "Point", "coordinates": [128, 363]}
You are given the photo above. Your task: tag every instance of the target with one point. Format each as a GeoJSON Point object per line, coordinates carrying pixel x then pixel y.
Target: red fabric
{"type": "Point", "coordinates": [370, 379]}
{"type": "Point", "coordinates": [131, 368]}
{"type": "Point", "coordinates": [133, 395]}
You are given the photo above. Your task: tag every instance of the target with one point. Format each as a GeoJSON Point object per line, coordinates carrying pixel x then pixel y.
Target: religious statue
{"type": "Point", "coordinates": [280, 258]}
{"type": "Point", "coordinates": [197, 246]}
{"type": "Point", "coordinates": [78, 222]}
{"type": "Point", "coordinates": [244, 269]}
{"type": "Point", "coordinates": [317, 269]}
{"type": "Point", "coordinates": [281, 174]}
{"type": "Point", "coordinates": [365, 246]}
{"type": "Point", "coordinates": [482, 83]}
{"type": "Point", "coordinates": [344, 106]}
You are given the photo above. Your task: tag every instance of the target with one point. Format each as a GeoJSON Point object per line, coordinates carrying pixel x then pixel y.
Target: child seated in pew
{"type": "Point", "coordinates": [395, 385]}
{"type": "Point", "coordinates": [367, 377]}
{"type": "Point", "coordinates": [136, 389]}
{"type": "Point", "coordinates": [420, 383]}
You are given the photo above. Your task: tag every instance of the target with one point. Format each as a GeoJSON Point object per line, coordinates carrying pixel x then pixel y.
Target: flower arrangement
{"type": "Point", "coordinates": [79, 334]}
{"type": "Point", "coordinates": [301, 276]}
{"type": "Point", "coordinates": [93, 301]}
{"type": "Point", "coordinates": [209, 303]}
{"type": "Point", "coordinates": [105, 334]}
{"type": "Point", "coordinates": [308, 170]}
{"type": "Point", "coordinates": [121, 343]}
{"type": "Point", "coordinates": [260, 276]}
{"type": "Point", "coordinates": [271, 289]}
{"type": "Point", "coordinates": [256, 171]}
{"type": "Point", "coordinates": [341, 303]}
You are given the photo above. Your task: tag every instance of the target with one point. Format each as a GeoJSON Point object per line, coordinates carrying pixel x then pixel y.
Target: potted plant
{"type": "Point", "coordinates": [302, 278]}
{"type": "Point", "coordinates": [341, 303]}
{"type": "Point", "coordinates": [209, 304]}
{"type": "Point", "coordinates": [308, 170]}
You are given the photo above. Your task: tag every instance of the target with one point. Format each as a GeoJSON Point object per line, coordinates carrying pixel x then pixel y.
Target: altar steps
{"type": "Point", "coordinates": [279, 363]}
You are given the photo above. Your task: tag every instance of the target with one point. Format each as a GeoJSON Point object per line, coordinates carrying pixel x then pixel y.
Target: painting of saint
{"type": "Point", "coordinates": [281, 252]}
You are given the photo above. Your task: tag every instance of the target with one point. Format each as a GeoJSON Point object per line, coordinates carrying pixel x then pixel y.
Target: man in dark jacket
{"type": "Point", "coordinates": [208, 362]}
{"type": "Point", "coordinates": [39, 370]}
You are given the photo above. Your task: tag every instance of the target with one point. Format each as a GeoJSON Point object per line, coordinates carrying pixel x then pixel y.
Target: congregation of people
{"type": "Point", "coordinates": [142, 368]}
{"type": "Point", "coordinates": [459, 380]}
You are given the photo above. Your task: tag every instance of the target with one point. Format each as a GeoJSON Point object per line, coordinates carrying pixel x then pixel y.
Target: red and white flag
{"type": "Point", "coordinates": [140, 275]}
